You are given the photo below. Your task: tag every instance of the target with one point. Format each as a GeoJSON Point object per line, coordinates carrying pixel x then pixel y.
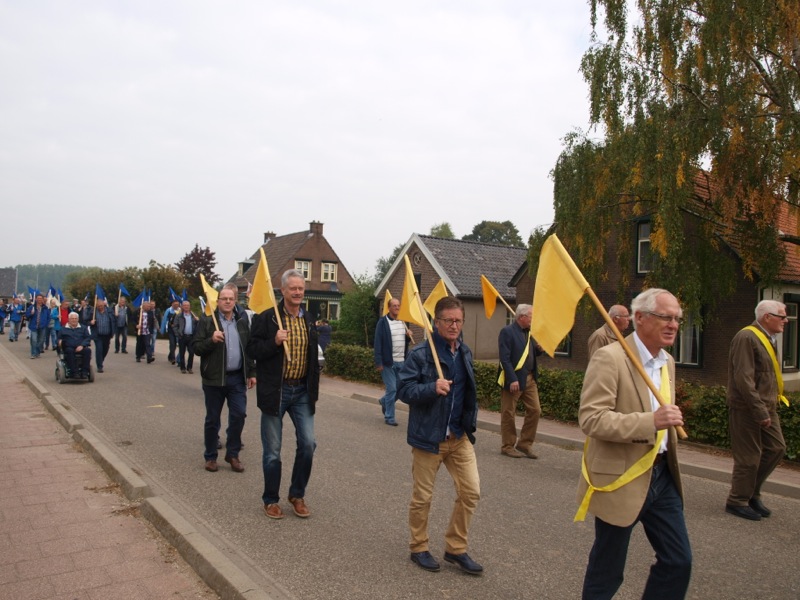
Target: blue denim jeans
{"type": "Point", "coordinates": [665, 528]}
{"type": "Point", "coordinates": [121, 335]}
{"type": "Point", "coordinates": [295, 401]}
{"type": "Point", "coordinates": [38, 337]}
{"type": "Point", "coordinates": [53, 337]}
{"type": "Point", "coordinates": [235, 392]}
{"type": "Point", "coordinates": [13, 330]}
{"type": "Point", "coordinates": [390, 376]}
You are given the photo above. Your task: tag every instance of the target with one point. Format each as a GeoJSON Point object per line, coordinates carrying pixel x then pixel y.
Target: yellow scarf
{"type": "Point", "coordinates": [776, 367]}
{"type": "Point", "coordinates": [501, 380]}
{"type": "Point", "coordinates": [640, 467]}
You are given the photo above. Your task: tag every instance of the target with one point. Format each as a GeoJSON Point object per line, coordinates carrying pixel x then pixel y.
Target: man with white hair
{"type": "Point", "coordinates": [755, 386]}
{"type": "Point", "coordinates": [604, 335]}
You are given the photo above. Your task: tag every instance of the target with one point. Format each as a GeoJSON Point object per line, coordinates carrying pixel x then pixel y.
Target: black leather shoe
{"type": "Point", "coordinates": [745, 512]}
{"type": "Point", "coordinates": [425, 560]}
{"type": "Point", "coordinates": [757, 505]}
{"type": "Point", "coordinates": [465, 562]}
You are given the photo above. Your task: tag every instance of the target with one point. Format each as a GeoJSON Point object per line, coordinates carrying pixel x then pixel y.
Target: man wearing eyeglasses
{"type": "Point", "coordinates": [632, 452]}
{"type": "Point", "coordinates": [603, 336]}
{"type": "Point", "coordinates": [754, 386]}
{"type": "Point", "coordinates": [443, 416]}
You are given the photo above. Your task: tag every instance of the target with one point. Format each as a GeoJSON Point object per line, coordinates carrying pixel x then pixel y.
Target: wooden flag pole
{"type": "Point", "coordinates": [429, 335]}
{"type": "Point", "coordinates": [511, 310]}
{"type": "Point", "coordinates": [634, 359]}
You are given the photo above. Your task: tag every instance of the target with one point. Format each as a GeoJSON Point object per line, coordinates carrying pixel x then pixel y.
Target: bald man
{"type": "Point", "coordinates": [604, 335]}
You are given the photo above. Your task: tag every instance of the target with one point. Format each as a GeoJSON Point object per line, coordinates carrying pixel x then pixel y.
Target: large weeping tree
{"type": "Point", "coordinates": [686, 96]}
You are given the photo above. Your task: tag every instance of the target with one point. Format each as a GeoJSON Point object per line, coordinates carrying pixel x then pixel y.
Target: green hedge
{"type": "Point", "coordinates": [704, 409]}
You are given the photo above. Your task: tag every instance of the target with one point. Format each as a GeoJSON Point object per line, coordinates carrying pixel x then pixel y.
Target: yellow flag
{"type": "Point", "coordinates": [559, 287]}
{"type": "Point", "coordinates": [490, 296]}
{"type": "Point", "coordinates": [439, 292]}
{"type": "Point", "coordinates": [386, 298]}
{"type": "Point", "coordinates": [262, 296]}
{"type": "Point", "coordinates": [211, 296]}
{"type": "Point", "coordinates": [409, 303]}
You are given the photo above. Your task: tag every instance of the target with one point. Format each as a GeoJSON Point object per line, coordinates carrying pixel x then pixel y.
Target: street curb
{"type": "Point", "coordinates": [133, 486]}
{"type": "Point", "coordinates": [62, 413]}
{"type": "Point", "coordinates": [216, 569]}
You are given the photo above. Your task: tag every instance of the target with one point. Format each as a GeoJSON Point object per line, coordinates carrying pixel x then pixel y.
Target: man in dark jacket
{"type": "Point", "coordinates": [37, 315]}
{"type": "Point", "coordinates": [184, 327]}
{"type": "Point", "coordinates": [288, 381]}
{"type": "Point", "coordinates": [391, 346]}
{"type": "Point", "coordinates": [227, 372]}
{"type": "Point", "coordinates": [103, 327]}
{"type": "Point", "coordinates": [74, 338]}
{"type": "Point", "coordinates": [517, 376]}
{"type": "Point", "coordinates": [146, 325]}
{"type": "Point", "coordinates": [443, 415]}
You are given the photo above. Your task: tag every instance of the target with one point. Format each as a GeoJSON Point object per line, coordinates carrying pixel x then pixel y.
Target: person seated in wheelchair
{"type": "Point", "coordinates": [74, 342]}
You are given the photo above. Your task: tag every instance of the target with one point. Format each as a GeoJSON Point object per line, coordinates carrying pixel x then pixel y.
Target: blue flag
{"type": "Point", "coordinates": [137, 302]}
{"type": "Point", "coordinates": [173, 296]}
{"type": "Point", "coordinates": [123, 291]}
{"type": "Point", "coordinates": [86, 297]}
{"type": "Point", "coordinates": [98, 292]}
{"type": "Point", "coordinates": [33, 293]}
{"type": "Point", "coordinates": [52, 291]}
{"type": "Point", "coordinates": [184, 295]}
{"type": "Point", "coordinates": [60, 295]}
{"type": "Point", "coordinates": [202, 305]}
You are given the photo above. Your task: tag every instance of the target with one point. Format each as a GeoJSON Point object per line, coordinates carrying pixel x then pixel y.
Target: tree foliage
{"type": "Point", "coordinates": [495, 232]}
{"type": "Point", "coordinates": [198, 261]}
{"type": "Point", "coordinates": [382, 265]}
{"type": "Point", "coordinates": [443, 230]}
{"type": "Point", "coordinates": [691, 84]}
{"type": "Point", "coordinates": [157, 278]}
{"type": "Point", "coordinates": [359, 310]}
{"type": "Point", "coordinates": [42, 276]}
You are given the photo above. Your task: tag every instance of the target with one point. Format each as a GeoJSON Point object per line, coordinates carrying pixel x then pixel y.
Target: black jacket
{"type": "Point", "coordinates": [179, 323]}
{"type": "Point", "coordinates": [213, 355]}
{"type": "Point", "coordinates": [269, 361]}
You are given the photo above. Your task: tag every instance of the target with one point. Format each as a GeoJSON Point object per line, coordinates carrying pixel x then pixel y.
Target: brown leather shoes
{"type": "Point", "coordinates": [273, 511]}
{"type": "Point", "coordinates": [527, 452]}
{"type": "Point", "coordinates": [211, 465]}
{"type": "Point", "coordinates": [300, 508]}
{"type": "Point", "coordinates": [236, 466]}
{"type": "Point", "coordinates": [512, 453]}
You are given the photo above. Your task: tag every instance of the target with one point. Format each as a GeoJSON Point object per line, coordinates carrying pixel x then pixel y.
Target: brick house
{"type": "Point", "coordinates": [460, 265]}
{"type": "Point", "coordinates": [327, 279]}
{"type": "Point", "coordinates": [701, 355]}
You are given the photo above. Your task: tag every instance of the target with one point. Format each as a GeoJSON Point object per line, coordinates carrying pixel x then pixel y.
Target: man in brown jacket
{"type": "Point", "coordinates": [623, 421]}
{"type": "Point", "coordinates": [756, 438]}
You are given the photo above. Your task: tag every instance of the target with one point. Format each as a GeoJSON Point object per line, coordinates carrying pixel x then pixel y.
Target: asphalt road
{"type": "Point", "coordinates": [354, 546]}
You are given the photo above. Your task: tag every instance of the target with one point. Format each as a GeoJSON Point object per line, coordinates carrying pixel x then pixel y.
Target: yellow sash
{"type": "Point", "coordinates": [771, 351]}
{"type": "Point", "coordinates": [641, 466]}
{"type": "Point", "coordinates": [501, 380]}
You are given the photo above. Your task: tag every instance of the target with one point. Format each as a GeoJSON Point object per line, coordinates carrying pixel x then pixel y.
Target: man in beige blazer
{"type": "Point", "coordinates": [622, 419]}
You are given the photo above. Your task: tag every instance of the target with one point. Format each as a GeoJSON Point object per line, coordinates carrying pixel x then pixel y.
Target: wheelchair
{"type": "Point", "coordinates": [63, 374]}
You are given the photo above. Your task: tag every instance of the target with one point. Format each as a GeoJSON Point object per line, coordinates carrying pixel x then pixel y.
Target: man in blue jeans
{"type": "Point", "coordinates": [38, 316]}
{"type": "Point", "coordinates": [227, 371]}
{"type": "Point", "coordinates": [287, 364]}
{"type": "Point", "coordinates": [391, 345]}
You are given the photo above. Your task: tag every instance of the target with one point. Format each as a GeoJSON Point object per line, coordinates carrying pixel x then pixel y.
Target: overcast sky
{"type": "Point", "coordinates": [132, 130]}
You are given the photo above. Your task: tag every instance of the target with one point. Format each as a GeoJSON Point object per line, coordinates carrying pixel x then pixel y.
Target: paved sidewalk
{"type": "Point", "coordinates": [716, 465]}
{"type": "Point", "coordinates": [66, 531]}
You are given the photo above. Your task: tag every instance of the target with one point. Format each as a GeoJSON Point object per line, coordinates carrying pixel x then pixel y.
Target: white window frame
{"type": "Point", "coordinates": [688, 339]}
{"type": "Point", "coordinates": [790, 359]}
{"type": "Point", "coordinates": [329, 271]}
{"type": "Point", "coordinates": [644, 256]}
{"type": "Point", "coordinates": [304, 266]}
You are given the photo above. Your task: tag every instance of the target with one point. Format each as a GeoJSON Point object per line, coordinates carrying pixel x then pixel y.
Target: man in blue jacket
{"type": "Point", "coordinates": [443, 415]}
{"type": "Point", "coordinates": [391, 345]}
{"type": "Point", "coordinates": [37, 316]}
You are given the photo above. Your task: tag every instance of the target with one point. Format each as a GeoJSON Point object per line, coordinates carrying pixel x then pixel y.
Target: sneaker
{"type": "Point", "coordinates": [273, 511]}
{"type": "Point", "coordinates": [300, 508]}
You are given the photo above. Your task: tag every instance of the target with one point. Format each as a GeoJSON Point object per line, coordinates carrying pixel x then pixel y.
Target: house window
{"type": "Point", "coordinates": [304, 266]}
{"type": "Point", "coordinates": [644, 258]}
{"type": "Point", "coordinates": [790, 358]}
{"type": "Point", "coordinates": [686, 350]}
{"type": "Point", "coordinates": [333, 311]}
{"type": "Point", "coordinates": [510, 318]}
{"type": "Point", "coordinates": [328, 271]}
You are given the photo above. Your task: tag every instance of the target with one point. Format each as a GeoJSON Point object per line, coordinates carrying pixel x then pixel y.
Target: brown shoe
{"type": "Point", "coordinates": [512, 453]}
{"type": "Point", "coordinates": [528, 452]}
{"type": "Point", "coordinates": [236, 466]}
{"type": "Point", "coordinates": [273, 511]}
{"type": "Point", "coordinates": [300, 508]}
{"type": "Point", "coordinates": [211, 465]}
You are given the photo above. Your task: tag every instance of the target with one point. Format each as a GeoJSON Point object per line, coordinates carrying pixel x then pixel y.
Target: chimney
{"type": "Point", "coordinates": [269, 235]}
{"type": "Point", "coordinates": [316, 227]}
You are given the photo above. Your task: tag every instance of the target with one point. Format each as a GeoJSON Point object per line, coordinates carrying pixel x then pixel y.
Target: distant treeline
{"type": "Point", "coordinates": [45, 275]}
